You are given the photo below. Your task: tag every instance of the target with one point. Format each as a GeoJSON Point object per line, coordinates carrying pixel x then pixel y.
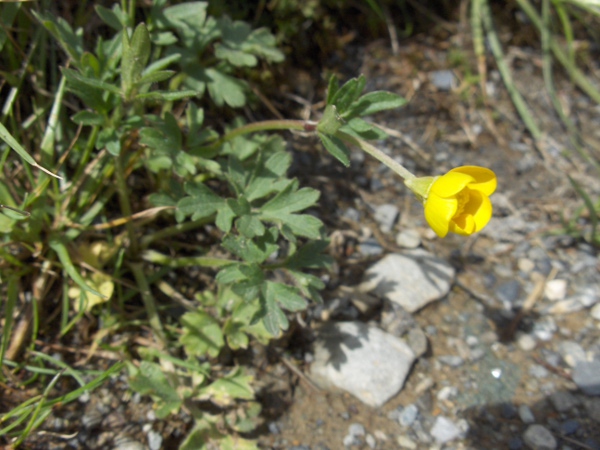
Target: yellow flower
{"type": "Point", "coordinates": [458, 201]}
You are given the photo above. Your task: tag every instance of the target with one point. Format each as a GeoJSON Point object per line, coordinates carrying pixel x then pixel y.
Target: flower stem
{"type": "Point", "coordinates": [301, 125]}
{"type": "Point", "coordinates": [377, 154]}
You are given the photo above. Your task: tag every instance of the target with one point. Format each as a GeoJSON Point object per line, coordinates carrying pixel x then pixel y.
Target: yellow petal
{"type": "Point", "coordinates": [483, 214]}
{"type": "Point", "coordinates": [464, 225]}
{"type": "Point", "coordinates": [484, 179]}
{"type": "Point", "coordinates": [450, 184]}
{"type": "Point", "coordinates": [439, 212]}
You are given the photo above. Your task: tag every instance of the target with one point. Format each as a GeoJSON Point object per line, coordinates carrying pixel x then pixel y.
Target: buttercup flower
{"type": "Point", "coordinates": [458, 201]}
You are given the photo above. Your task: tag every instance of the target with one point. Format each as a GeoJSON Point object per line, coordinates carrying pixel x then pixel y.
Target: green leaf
{"type": "Point", "coordinates": [231, 387]}
{"type": "Point", "coordinates": [135, 57]}
{"type": "Point", "coordinates": [114, 18]}
{"type": "Point", "coordinates": [201, 334]}
{"type": "Point", "coordinates": [225, 216]}
{"type": "Point", "coordinates": [12, 143]}
{"type": "Point", "coordinates": [73, 75]}
{"type": "Point", "coordinates": [88, 118]}
{"type": "Point", "coordinates": [70, 41]}
{"type": "Point", "coordinates": [150, 380]}
{"type": "Point", "coordinates": [291, 200]}
{"type": "Point", "coordinates": [332, 89]}
{"type": "Point", "coordinates": [253, 251]}
{"type": "Point", "coordinates": [286, 296]}
{"type": "Point", "coordinates": [363, 130]}
{"type": "Point", "coordinates": [374, 102]}
{"type": "Point", "coordinates": [63, 255]}
{"type": "Point", "coordinates": [236, 338]}
{"type": "Point", "coordinates": [330, 122]}
{"type": "Point", "coordinates": [310, 256]}
{"type": "Point", "coordinates": [272, 316]}
{"type": "Point", "coordinates": [230, 274]}
{"type": "Point", "coordinates": [249, 226]}
{"type": "Point", "coordinates": [201, 202]}
{"type": "Point", "coordinates": [336, 148]}
{"type": "Point", "coordinates": [167, 96]}
{"type": "Point", "coordinates": [155, 77]}
{"type": "Point", "coordinates": [224, 89]}
{"type": "Point", "coordinates": [348, 94]}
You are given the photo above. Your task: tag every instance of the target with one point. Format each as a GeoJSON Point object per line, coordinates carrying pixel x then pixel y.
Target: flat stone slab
{"type": "Point", "coordinates": [364, 361]}
{"type": "Point", "coordinates": [411, 279]}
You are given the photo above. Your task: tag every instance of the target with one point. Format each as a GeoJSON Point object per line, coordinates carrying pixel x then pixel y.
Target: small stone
{"type": "Point", "coordinates": [525, 265]}
{"type": "Point", "coordinates": [526, 342]}
{"type": "Point", "coordinates": [447, 392]}
{"type": "Point", "coordinates": [525, 414]}
{"type": "Point", "coordinates": [556, 289]}
{"type": "Point", "coordinates": [571, 352]}
{"type": "Point", "coordinates": [563, 401]}
{"type": "Point", "coordinates": [538, 371]}
{"type": "Point", "coordinates": [442, 79]}
{"type": "Point", "coordinates": [595, 311]}
{"type": "Point", "coordinates": [274, 428]}
{"type": "Point", "coordinates": [515, 443]}
{"type": "Point", "coordinates": [586, 376]}
{"type": "Point", "coordinates": [444, 430]}
{"type": "Point", "coordinates": [154, 440]}
{"type": "Point", "coordinates": [408, 415]}
{"type": "Point", "coordinates": [356, 429]}
{"type": "Point", "coordinates": [451, 360]}
{"type": "Point", "coordinates": [406, 442]}
{"type": "Point", "coordinates": [476, 354]}
{"type": "Point", "coordinates": [130, 445]}
{"type": "Point", "coordinates": [538, 437]}
{"type": "Point", "coordinates": [417, 341]}
{"type": "Point", "coordinates": [370, 247]}
{"type": "Point", "coordinates": [385, 216]}
{"type": "Point", "coordinates": [350, 440]}
{"type": "Point", "coordinates": [544, 328]}
{"type": "Point", "coordinates": [509, 292]}
{"type": "Point", "coordinates": [370, 440]}
{"type": "Point", "coordinates": [569, 426]}
{"type": "Point", "coordinates": [409, 238]}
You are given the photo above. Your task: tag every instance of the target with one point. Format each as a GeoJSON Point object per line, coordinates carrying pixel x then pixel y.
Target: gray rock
{"type": "Point", "coordinates": [586, 376]}
{"type": "Point", "coordinates": [509, 292]}
{"type": "Point", "coordinates": [409, 238]}
{"type": "Point", "coordinates": [526, 342]}
{"type": "Point", "coordinates": [356, 429]}
{"type": "Point", "coordinates": [444, 430]}
{"type": "Point", "coordinates": [408, 415]}
{"type": "Point", "coordinates": [365, 361]}
{"type": "Point", "coordinates": [442, 79]}
{"type": "Point", "coordinates": [370, 440]}
{"type": "Point", "coordinates": [563, 401]}
{"type": "Point", "coordinates": [417, 341]}
{"type": "Point", "coordinates": [538, 437]}
{"type": "Point", "coordinates": [595, 311]}
{"type": "Point", "coordinates": [385, 216]}
{"type": "Point", "coordinates": [544, 328]}
{"type": "Point", "coordinates": [154, 440]}
{"type": "Point", "coordinates": [411, 279]}
{"type": "Point", "coordinates": [571, 352]}
{"type": "Point", "coordinates": [370, 247]}
{"type": "Point", "coordinates": [525, 414]}
{"type": "Point", "coordinates": [451, 360]}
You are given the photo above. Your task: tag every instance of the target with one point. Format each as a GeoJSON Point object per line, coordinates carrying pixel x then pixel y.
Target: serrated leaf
{"type": "Point", "coordinates": [231, 387]}
{"type": "Point", "coordinates": [249, 226]}
{"type": "Point", "coordinates": [291, 200]}
{"type": "Point", "coordinates": [286, 296]}
{"type": "Point", "coordinates": [224, 89]}
{"type": "Point", "coordinates": [88, 118]}
{"type": "Point", "coordinates": [336, 148]}
{"type": "Point", "coordinates": [374, 102]}
{"type": "Point", "coordinates": [310, 256]}
{"type": "Point", "coordinates": [363, 130]}
{"type": "Point", "coordinates": [348, 94]}
{"type": "Point", "coordinates": [224, 219]}
{"type": "Point", "coordinates": [201, 202]}
{"type": "Point", "coordinates": [230, 274]}
{"type": "Point", "coordinates": [253, 251]}
{"type": "Point", "coordinates": [234, 335]}
{"type": "Point", "coordinates": [201, 334]}
{"type": "Point", "coordinates": [150, 380]}
{"type": "Point", "coordinates": [272, 317]}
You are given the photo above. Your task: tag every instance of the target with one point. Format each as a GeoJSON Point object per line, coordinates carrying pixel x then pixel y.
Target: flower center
{"type": "Point", "coordinates": [463, 198]}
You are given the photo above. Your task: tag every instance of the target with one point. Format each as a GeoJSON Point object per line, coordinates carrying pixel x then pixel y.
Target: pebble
{"type": "Point", "coordinates": [442, 79]}
{"type": "Point", "coordinates": [525, 265]}
{"type": "Point", "coordinates": [370, 247]}
{"type": "Point", "coordinates": [538, 437]}
{"type": "Point", "coordinates": [444, 430]}
{"type": "Point", "coordinates": [370, 440]}
{"type": "Point", "coordinates": [544, 328]}
{"type": "Point", "coordinates": [569, 426]}
{"type": "Point", "coordinates": [509, 292]}
{"type": "Point", "coordinates": [408, 238]}
{"type": "Point", "coordinates": [451, 360]}
{"type": "Point", "coordinates": [417, 340]}
{"type": "Point", "coordinates": [586, 375]}
{"type": "Point", "coordinates": [571, 352]}
{"type": "Point", "coordinates": [556, 289]}
{"type": "Point", "coordinates": [408, 415]}
{"type": "Point", "coordinates": [385, 216]}
{"type": "Point", "coordinates": [595, 311]}
{"type": "Point", "coordinates": [525, 414]}
{"type": "Point", "coordinates": [563, 401]}
{"type": "Point", "coordinates": [406, 442]}
{"type": "Point", "coordinates": [411, 279]}
{"type": "Point", "coordinates": [526, 342]}
{"type": "Point", "coordinates": [447, 392]}
{"type": "Point", "coordinates": [356, 429]}
{"type": "Point", "coordinates": [154, 440]}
